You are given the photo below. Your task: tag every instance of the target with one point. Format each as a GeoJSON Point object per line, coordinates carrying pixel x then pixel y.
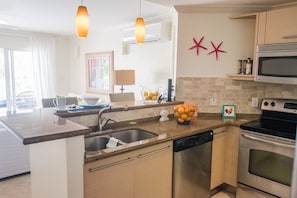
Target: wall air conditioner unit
{"type": "Point", "coordinates": [153, 32]}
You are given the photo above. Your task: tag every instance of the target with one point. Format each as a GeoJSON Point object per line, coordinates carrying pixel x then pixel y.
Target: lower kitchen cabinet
{"type": "Point", "coordinates": [141, 173]}
{"type": "Point", "coordinates": [153, 172]}
{"type": "Point", "coordinates": [218, 157]}
{"type": "Point", "coordinates": [225, 150]}
{"type": "Point", "coordinates": [111, 177]}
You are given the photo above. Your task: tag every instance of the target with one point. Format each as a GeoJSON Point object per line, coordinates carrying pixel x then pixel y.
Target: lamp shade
{"type": "Point", "coordinates": [124, 77]}
{"type": "Point", "coordinates": [82, 22]}
{"type": "Point", "coordinates": [139, 30]}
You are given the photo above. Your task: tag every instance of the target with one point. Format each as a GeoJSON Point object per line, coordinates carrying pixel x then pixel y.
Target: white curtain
{"type": "Point", "coordinates": [43, 51]}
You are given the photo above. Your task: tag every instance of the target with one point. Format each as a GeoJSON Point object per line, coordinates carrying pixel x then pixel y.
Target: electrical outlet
{"type": "Point", "coordinates": [213, 102]}
{"type": "Point", "coordinates": [255, 102]}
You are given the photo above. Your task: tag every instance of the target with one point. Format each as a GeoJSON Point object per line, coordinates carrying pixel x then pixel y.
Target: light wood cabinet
{"type": "Point", "coordinates": [218, 157]}
{"type": "Point", "coordinates": [111, 177]}
{"type": "Point", "coordinates": [250, 16]}
{"type": "Point", "coordinates": [225, 150]}
{"type": "Point", "coordinates": [139, 173]}
{"type": "Point", "coordinates": [281, 25]}
{"type": "Point", "coordinates": [231, 153]}
{"type": "Point", "coordinates": [153, 172]}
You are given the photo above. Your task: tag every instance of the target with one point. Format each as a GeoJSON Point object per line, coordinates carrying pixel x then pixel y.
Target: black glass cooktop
{"type": "Point", "coordinates": [275, 127]}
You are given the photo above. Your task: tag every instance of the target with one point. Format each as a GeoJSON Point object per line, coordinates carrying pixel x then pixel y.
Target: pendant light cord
{"type": "Point", "coordinates": [140, 8]}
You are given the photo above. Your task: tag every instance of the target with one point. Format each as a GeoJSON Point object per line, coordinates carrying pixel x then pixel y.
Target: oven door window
{"type": "Point", "coordinates": [284, 66]}
{"type": "Point", "coordinates": [272, 166]}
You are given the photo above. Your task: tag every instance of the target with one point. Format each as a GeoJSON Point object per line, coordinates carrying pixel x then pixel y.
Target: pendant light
{"type": "Point", "coordinates": [82, 21]}
{"type": "Point", "coordinates": [139, 28]}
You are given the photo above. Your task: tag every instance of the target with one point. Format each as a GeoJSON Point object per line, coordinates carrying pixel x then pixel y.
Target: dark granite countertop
{"type": "Point", "coordinates": [41, 125]}
{"type": "Point", "coordinates": [131, 104]}
{"type": "Point", "coordinates": [167, 131]}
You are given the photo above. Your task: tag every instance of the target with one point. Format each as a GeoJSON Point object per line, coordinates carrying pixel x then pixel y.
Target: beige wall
{"type": "Point", "coordinates": [152, 62]}
{"type": "Point", "coordinates": [237, 37]}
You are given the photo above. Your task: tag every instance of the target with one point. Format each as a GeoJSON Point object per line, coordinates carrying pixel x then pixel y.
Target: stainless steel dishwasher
{"type": "Point", "coordinates": [192, 166]}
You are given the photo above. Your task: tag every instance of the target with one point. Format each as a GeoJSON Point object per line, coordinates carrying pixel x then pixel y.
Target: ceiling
{"type": "Point", "coordinates": [58, 16]}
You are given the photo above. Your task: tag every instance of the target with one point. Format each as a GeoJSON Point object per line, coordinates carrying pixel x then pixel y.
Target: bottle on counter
{"type": "Point", "coordinates": [244, 62]}
{"type": "Point", "coordinates": [248, 68]}
{"type": "Point", "coordinates": [239, 67]}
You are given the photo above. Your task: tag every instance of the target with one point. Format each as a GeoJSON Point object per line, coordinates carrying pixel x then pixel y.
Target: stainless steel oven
{"type": "Point", "coordinates": [267, 148]}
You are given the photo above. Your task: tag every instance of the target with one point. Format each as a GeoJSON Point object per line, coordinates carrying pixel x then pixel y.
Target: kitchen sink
{"type": "Point", "coordinates": [96, 143]}
{"type": "Point", "coordinates": [133, 135]}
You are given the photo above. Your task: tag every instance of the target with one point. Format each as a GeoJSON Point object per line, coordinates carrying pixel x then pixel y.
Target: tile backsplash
{"type": "Point", "coordinates": [198, 90]}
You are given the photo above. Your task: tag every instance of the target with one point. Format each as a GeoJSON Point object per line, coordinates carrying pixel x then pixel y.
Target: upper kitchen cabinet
{"type": "Point", "coordinates": [278, 26]}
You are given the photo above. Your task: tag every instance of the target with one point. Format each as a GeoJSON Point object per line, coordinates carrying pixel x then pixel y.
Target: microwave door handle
{"type": "Point", "coordinates": [268, 141]}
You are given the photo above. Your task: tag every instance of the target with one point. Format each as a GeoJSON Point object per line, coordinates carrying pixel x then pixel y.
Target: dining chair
{"type": "Point", "coordinates": [48, 102]}
{"type": "Point", "coordinates": [118, 97]}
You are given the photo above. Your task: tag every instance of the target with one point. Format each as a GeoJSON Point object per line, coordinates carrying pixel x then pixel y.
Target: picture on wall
{"type": "Point", "coordinates": [99, 69]}
{"type": "Point", "coordinates": [229, 111]}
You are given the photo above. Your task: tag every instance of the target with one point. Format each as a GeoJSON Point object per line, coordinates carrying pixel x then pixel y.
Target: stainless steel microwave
{"type": "Point", "coordinates": [276, 63]}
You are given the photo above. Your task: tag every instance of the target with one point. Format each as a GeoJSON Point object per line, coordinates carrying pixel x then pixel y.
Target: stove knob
{"type": "Point", "coordinates": [272, 104]}
{"type": "Point", "coordinates": [266, 103]}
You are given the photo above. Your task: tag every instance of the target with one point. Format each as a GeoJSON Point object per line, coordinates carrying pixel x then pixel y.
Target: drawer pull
{"type": "Point", "coordinates": [110, 165]}
{"type": "Point", "coordinates": [153, 152]}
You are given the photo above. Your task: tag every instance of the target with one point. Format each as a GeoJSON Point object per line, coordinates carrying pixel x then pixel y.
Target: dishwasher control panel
{"type": "Point", "coordinates": [192, 141]}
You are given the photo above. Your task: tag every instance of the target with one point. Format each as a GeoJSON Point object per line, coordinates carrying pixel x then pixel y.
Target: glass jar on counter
{"type": "Point", "coordinates": [239, 67]}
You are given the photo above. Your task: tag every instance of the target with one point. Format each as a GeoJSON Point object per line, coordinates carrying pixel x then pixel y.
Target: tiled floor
{"type": "Point", "coordinates": [16, 187]}
{"type": "Point", "coordinates": [19, 187]}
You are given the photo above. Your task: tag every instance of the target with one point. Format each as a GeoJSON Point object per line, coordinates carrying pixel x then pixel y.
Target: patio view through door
{"type": "Point", "coordinates": [16, 81]}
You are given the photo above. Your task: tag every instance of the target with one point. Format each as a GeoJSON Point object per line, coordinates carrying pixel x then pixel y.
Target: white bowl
{"type": "Point", "coordinates": [91, 100]}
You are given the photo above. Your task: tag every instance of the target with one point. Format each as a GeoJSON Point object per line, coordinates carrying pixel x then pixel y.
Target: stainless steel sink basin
{"type": "Point", "coordinates": [96, 143]}
{"type": "Point", "coordinates": [133, 135]}
{"type": "Point", "coordinates": [99, 142]}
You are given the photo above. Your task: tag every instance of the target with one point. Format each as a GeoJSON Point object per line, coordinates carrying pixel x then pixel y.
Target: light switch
{"type": "Point", "coordinates": [213, 102]}
{"type": "Point", "coordinates": [255, 102]}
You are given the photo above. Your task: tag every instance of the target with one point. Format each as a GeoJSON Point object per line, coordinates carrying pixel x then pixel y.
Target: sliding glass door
{"type": "Point", "coordinates": [16, 81]}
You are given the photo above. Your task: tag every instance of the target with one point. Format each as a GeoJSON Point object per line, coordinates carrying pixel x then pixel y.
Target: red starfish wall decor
{"type": "Point", "coordinates": [216, 49]}
{"type": "Point", "coordinates": [198, 45]}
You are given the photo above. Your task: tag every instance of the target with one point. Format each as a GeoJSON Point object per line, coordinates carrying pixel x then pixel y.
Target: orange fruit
{"type": "Point", "coordinates": [189, 119]}
{"type": "Point", "coordinates": [180, 110]}
{"type": "Point", "coordinates": [175, 108]}
{"type": "Point", "coordinates": [184, 116]}
{"type": "Point", "coordinates": [180, 120]}
{"type": "Point", "coordinates": [187, 109]}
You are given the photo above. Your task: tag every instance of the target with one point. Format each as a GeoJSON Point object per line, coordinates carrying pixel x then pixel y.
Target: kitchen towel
{"type": "Point", "coordinates": [113, 142]}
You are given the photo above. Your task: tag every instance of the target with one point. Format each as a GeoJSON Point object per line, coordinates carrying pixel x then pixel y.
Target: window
{"type": "Point", "coordinates": [16, 81]}
{"type": "Point", "coordinates": [99, 72]}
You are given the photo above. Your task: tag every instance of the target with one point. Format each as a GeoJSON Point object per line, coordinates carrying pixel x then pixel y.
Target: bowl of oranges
{"type": "Point", "coordinates": [184, 113]}
{"type": "Point", "coordinates": [150, 96]}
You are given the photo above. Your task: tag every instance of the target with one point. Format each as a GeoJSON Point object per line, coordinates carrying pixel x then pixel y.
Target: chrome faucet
{"type": "Point", "coordinates": [103, 121]}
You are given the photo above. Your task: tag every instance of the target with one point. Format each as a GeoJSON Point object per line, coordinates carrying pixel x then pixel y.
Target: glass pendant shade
{"type": "Point", "coordinates": [82, 22]}
{"type": "Point", "coordinates": [139, 30]}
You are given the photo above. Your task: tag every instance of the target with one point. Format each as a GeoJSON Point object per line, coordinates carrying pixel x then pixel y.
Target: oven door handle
{"type": "Point", "coordinates": [268, 141]}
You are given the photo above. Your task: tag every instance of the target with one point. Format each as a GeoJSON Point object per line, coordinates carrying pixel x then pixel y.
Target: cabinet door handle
{"type": "Point", "coordinates": [154, 151]}
{"type": "Point", "coordinates": [110, 165]}
{"type": "Point", "coordinates": [288, 145]}
{"type": "Point", "coordinates": [290, 36]}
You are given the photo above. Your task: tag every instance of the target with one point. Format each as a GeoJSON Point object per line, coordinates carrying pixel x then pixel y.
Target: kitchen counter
{"type": "Point", "coordinates": [167, 131]}
{"type": "Point", "coordinates": [41, 125]}
{"type": "Point", "coordinates": [132, 105]}
{"type": "Point", "coordinates": [57, 144]}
